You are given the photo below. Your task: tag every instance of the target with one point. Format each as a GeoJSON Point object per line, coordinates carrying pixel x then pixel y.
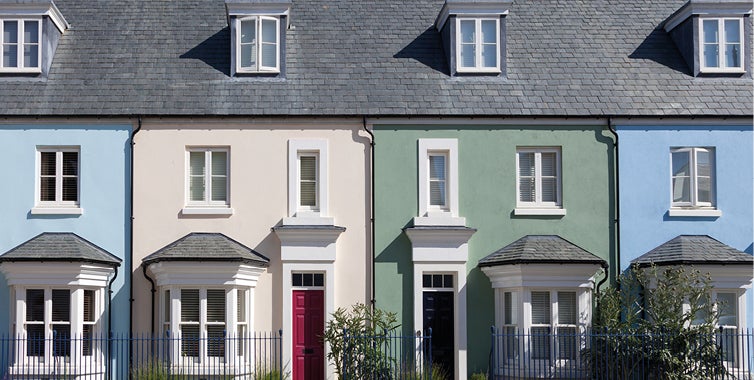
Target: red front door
{"type": "Point", "coordinates": [308, 327]}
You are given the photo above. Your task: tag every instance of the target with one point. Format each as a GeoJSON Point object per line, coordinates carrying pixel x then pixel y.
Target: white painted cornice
{"type": "Point", "coordinates": [471, 8]}
{"type": "Point", "coordinates": [216, 273]}
{"type": "Point", "coordinates": [542, 275]}
{"type": "Point", "coordinates": [54, 273]}
{"type": "Point", "coordinates": [38, 9]}
{"type": "Point", "coordinates": [440, 245]}
{"type": "Point", "coordinates": [235, 8]}
{"type": "Point", "coordinates": [308, 243]}
{"type": "Point", "coordinates": [721, 276]}
{"type": "Point", "coordinates": [708, 8]}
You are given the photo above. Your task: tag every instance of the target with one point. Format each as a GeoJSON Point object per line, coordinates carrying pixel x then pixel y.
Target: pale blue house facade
{"type": "Point", "coordinates": [682, 186]}
{"type": "Point", "coordinates": [66, 227]}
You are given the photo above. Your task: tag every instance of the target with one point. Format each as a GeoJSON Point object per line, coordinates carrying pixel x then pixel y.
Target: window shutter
{"type": "Point", "coordinates": [269, 43]}
{"type": "Point", "coordinates": [61, 305]}
{"type": "Point", "coordinates": [567, 306]}
{"type": "Point", "coordinates": [219, 176]}
{"type": "Point", "coordinates": [540, 308]}
{"type": "Point", "coordinates": [215, 305]}
{"type": "Point", "coordinates": [437, 170]}
{"type": "Point", "coordinates": [189, 305]}
{"type": "Point", "coordinates": [249, 43]}
{"type": "Point", "coordinates": [308, 180]}
{"type": "Point", "coordinates": [35, 305]}
{"type": "Point", "coordinates": [196, 176]}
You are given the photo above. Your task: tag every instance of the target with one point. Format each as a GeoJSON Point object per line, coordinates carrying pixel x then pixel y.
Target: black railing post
{"type": "Point", "coordinates": [280, 351]}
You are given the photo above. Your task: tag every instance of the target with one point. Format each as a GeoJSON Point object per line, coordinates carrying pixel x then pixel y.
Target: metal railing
{"type": "Point", "coordinates": [571, 353]}
{"type": "Point", "coordinates": [387, 356]}
{"type": "Point", "coordinates": [99, 357]}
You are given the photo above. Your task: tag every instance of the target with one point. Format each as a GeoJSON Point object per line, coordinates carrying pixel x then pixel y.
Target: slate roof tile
{"type": "Point", "coordinates": [694, 249]}
{"type": "Point", "coordinates": [541, 249]}
{"type": "Point", "coordinates": [60, 246]}
{"type": "Point", "coordinates": [201, 246]}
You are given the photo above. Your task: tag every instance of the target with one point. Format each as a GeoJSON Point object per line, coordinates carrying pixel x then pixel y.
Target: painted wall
{"type": "Point", "coordinates": [104, 196]}
{"type": "Point", "coordinates": [487, 197]}
{"type": "Point", "coordinates": [259, 197]}
{"type": "Point", "coordinates": [645, 187]}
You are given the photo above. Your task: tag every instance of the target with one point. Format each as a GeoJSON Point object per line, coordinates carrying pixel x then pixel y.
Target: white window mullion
{"type": "Point", "coordinates": [58, 176]}
{"type": "Point", "coordinates": [538, 177]}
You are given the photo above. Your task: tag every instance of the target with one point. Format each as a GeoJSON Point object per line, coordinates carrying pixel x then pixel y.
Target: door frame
{"type": "Point", "coordinates": [328, 269]}
{"type": "Point", "coordinates": [458, 270]}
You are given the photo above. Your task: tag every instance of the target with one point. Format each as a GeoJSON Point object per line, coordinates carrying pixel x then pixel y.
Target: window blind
{"type": "Point", "coordinates": [35, 305]}
{"type": "Point", "coordinates": [189, 305]}
{"type": "Point", "coordinates": [526, 185]}
{"type": "Point", "coordinates": [437, 174]}
{"type": "Point", "coordinates": [70, 176]}
{"type": "Point", "coordinates": [567, 308]}
{"type": "Point", "coordinates": [540, 308]}
{"type": "Point", "coordinates": [215, 305]}
{"type": "Point", "coordinates": [47, 176]}
{"type": "Point", "coordinates": [61, 305]}
{"type": "Point", "coordinates": [196, 176]}
{"type": "Point", "coordinates": [549, 177]}
{"type": "Point", "coordinates": [219, 176]}
{"type": "Point", "coordinates": [89, 307]}
{"type": "Point", "coordinates": [308, 180]}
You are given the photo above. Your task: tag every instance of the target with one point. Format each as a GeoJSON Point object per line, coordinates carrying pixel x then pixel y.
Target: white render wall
{"type": "Point", "coordinates": [258, 195]}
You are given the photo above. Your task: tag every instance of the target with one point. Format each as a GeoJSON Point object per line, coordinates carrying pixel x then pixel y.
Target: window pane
{"type": "Point", "coordinates": [437, 167]}
{"type": "Point", "coordinates": [567, 308]}
{"type": "Point", "coordinates": [447, 281]}
{"type": "Point", "coordinates": [526, 190]}
{"type": "Point", "coordinates": [710, 31]}
{"type": "Point", "coordinates": [248, 31]}
{"type": "Point", "coordinates": [467, 31]}
{"type": "Point", "coordinates": [308, 280]}
{"type": "Point", "coordinates": [219, 163]}
{"type": "Point", "coordinates": [468, 56]}
{"type": "Point", "coordinates": [732, 31]}
{"type": "Point", "coordinates": [70, 163]}
{"type": "Point", "coordinates": [549, 190]}
{"type": "Point", "coordinates": [549, 164]}
{"type": "Point", "coordinates": [710, 55]}
{"type": "Point", "coordinates": [248, 56]}
{"type": "Point", "coordinates": [427, 280]}
{"type": "Point", "coordinates": [681, 164]}
{"type": "Point", "coordinates": [10, 32]}
{"type": "Point", "coordinates": [88, 305]}
{"type": "Point", "coordinates": [31, 55]}
{"type": "Point", "coordinates": [219, 189]}
{"type": "Point", "coordinates": [319, 279]}
{"type": "Point", "coordinates": [189, 305]}
{"type": "Point", "coordinates": [35, 305]}
{"type": "Point", "coordinates": [269, 55]}
{"type": "Point", "coordinates": [35, 340]}
{"type": "Point", "coordinates": [47, 189]}
{"type": "Point", "coordinates": [726, 303]}
{"type": "Point", "coordinates": [540, 308]}
{"type": "Point", "coordinates": [31, 32]}
{"type": "Point", "coordinates": [681, 177]}
{"type": "Point", "coordinates": [47, 163]}
{"type": "Point", "coordinates": [297, 279]}
{"type": "Point", "coordinates": [732, 55]}
{"type": "Point", "coordinates": [526, 164]}
{"type": "Point", "coordinates": [489, 55]}
{"type": "Point", "coordinates": [437, 193]}
{"type": "Point", "coordinates": [308, 177]}
{"type": "Point", "coordinates": [167, 306]}
{"type": "Point", "coordinates": [196, 163]}
{"type": "Point", "coordinates": [10, 56]}
{"type": "Point", "coordinates": [567, 343]}
{"type": "Point", "coordinates": [196, 188]}
{"type": "Point", "coordinates": [190, 341]}
{"type": "Point", "coordinates": [61, 305]}
{"type": "Point", "coordinates": [308, 168]}
{"type": "Point", "coordinates": [269, 31]}
{"type": "Point", "coordinates": [437, 281]}
{"type": "Point", "coordinates": [540, 343]}
{"type": "Point", "coordinates": [489, 31]}
{"type": "Point", "coordinates": [215, 305]}
{"type": "Point", "coordinates": [507, 309]}
{"type": "Point", "coordinates": [241, 305]}
{"type": "Point", "coordinates": [215, 341]}
{"type": "Point", "coordinates": [70, 189]}
{"type": "Point", "coordinates": [61, 343]}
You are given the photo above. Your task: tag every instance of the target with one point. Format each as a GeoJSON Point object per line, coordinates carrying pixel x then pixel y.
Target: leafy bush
{"type": "Point", "coordinates": [659, 324]}
{"type": "Point", "coordinates": [357, 339]}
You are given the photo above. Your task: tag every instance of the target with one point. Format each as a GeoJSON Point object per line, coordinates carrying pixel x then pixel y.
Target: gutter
{"type": "Point", "coordinates": [373, 300]}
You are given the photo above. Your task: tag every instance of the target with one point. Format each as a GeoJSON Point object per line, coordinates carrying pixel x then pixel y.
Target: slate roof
{"type": "Point", "coordinates": [374, 58]}
{"type": "Point", "coordinates": [202, 246]}
{"type": "Point", "coordinates": [60, 246]}
{"type": "Point", "coordinates": [694, 249]}
{"type": "Point", "coordinates": [541, 249]}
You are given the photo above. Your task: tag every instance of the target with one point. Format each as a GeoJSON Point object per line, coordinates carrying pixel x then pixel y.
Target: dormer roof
{"type": "Point", "coordinates": [471, 8]}
{"type": "Point", "coordinates": [240, 8]}
{"type": "Point", "coordinates": [708, 8]}
{"type": "Point", "coordinates": [34, 8]}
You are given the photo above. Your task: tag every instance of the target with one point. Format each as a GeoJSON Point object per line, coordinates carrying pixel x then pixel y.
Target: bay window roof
{"type": "Point", "coordinates": [60, 246]}
{"type": "Point", "coordinates": [693, 249]}
{"type": "Point", "coordinates": [541, 249]}
{"type": "Point", "coordinates": [200, 246]}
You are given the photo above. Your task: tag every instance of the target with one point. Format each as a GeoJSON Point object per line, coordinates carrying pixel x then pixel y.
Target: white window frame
{"type": "Point", "coordinates": [236, 350]}
{"type": "Point", "coordinates": [207, 206]}
{"type": "Point", "coordinates": [447, 215]}
{"type": "Point", "coordinates": [307, 214]}
{"type": "Point", "coordinates": [58, 206]}
{"type": "Point", "coordinates": [259, 67]}
{"type": "Point", "coordinates": [538, 207]}
{"type": "Point", "coordinates": [693, 178]}
{"type": "Point", "coordinates": [20, 68]}
{"type": "Point", "coordinates": [478, 68]}
{"type": "Point", "coordinates": [721, 68]}
{"type": "Point", "coordinates": [299, 181]}
{"type": "Point", "coordinates": [76, 322]}
{"type": "Point", "coordinates": [445, 204]}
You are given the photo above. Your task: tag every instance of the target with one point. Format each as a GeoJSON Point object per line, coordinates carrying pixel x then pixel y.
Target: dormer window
{"type": "Point", "coordinates": [258, 36]}
{"type": "Point", "coordinates": [721, 44]}
{"type": "Point", "coordinates": [25, 27]}
{"type": "Point", "coordinates": [710, 36]}
{"type": "Point", "coordinates": [477, 44]}
{"type": "Point", "coordinates": [20, 42]}
{"type": "Point", "coordinates": [473, 37]}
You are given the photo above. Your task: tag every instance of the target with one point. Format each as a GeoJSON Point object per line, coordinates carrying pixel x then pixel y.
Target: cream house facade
{"type": "Point", "coordinates": [252, 215]}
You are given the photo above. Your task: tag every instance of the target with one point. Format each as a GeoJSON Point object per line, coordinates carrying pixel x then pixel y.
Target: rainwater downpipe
{"type": "Point", "coordinates": [131, 236]}
{"type": "Point", "coordinates": [153, 290]}
{"type": "Point", "coordinates": [373, 301]}
{"type": "Point", "coordinates": [109, 320]}
{"type": "Point", "coordinates": [617, 212]}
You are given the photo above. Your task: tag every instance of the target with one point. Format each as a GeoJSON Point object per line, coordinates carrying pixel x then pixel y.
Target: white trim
{"type": "Point", "coordinates": [478, 45]}
{"type": "Point", "coordinates": [220, 211]}
{"type": "Point", "coordinates": [486, 8]}
{"type": "Point", "coordinates": [722, 37]}
{"type": "Point", "coordinates": [695, 212]}
{"type": "Point", "coordinates": [539, 211]}
{"type": "Point", "coordinates": [58, 204]}
{"type": "Point", "coordinates": [429, 215]}
{"type": "Point", "coordinates": [538, 206]}
{"type": "Point", "coordinates": [195, 273]}
{"type": "Point", "coordinates": [308, 146]}
{"type": "Point", "coordinates": [710, 7]}
{"type": "Point", "coordinates": [57, 211]}
{"type": "Point", "coordinates": [39, 9]}
{"type": "Point", "coordinates": [308, 244]}
{"type": "Point", "coordinates": [54, 273]}
{"type": "Point", "coordinates": [693, 178]}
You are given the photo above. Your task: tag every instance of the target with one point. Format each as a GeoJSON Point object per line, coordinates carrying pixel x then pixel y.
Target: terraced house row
{"type": "Point", "coordinates": [211, 168]}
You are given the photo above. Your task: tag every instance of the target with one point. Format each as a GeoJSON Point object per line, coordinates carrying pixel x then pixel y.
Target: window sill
{"type": "Point", "coordinates": [479, 70]}
{"type": "Point", "coordinates": [14, 70]}
{"type": "Point", "coordinates": [713, 70]}
{"type": "Point", "coordinates": [57, 211]}
{"type": "Point", "coordinates": [702, 213]}
{"type": "Point", "coordinates": [221, 211]}
{"type": "Point", "coordinates": [540, 211]}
